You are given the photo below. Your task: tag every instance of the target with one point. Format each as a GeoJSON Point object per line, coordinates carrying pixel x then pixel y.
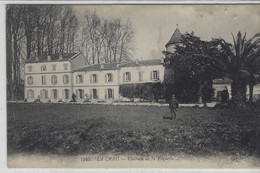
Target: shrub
{"type": "Point", "coordinates": [146, 91]}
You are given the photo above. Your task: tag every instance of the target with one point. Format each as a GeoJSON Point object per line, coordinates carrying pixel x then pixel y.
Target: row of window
{"type": "Point", "coordinates": [109, 94]}
{"type": "Point", "coordinates": [126, 77]}
{"type": "Point", "coordinates": [54, 79]}
{"type": "Point", "coordinates": [94, 78]}
{"type": "Point", "coordinates": [44, 94]}
{"type": "Point", "coordinates": [44, 67]}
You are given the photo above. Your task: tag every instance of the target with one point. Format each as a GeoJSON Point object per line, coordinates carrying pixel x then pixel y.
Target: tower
{"type": "Point", "coordinates": [175, 39]}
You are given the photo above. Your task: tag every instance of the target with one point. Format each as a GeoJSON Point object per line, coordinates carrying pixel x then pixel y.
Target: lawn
{"type": "Point", "coordinates": [105, 129]}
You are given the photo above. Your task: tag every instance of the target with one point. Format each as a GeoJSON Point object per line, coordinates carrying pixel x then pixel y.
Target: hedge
{"type": "Point", "coordinates": [146, 91]}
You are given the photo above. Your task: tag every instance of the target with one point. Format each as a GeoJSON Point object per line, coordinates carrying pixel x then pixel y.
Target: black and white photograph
{"type": "Point", "coordinates": [164, 86]}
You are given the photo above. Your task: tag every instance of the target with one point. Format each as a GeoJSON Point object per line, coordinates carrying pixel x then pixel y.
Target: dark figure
{"type": "Point", "coordinates": [173, 105]}
{"type": "Point", "coordinates": [38, 99]}
{"type": "Point", "coordinates": [73, 97]}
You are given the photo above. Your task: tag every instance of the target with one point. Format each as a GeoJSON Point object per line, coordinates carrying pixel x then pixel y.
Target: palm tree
{"type": "Point", "coordinates": [240, 64]}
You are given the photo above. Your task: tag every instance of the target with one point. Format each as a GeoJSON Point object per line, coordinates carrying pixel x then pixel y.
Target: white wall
{"type": "Point", "coordinates": [36, 67]}
{"type": "Point", "coordinates": [100, 78]}
{"type": "Point", "coordinates": [37, 92]}
{"type": "Point", "coordinates": [146, 73]}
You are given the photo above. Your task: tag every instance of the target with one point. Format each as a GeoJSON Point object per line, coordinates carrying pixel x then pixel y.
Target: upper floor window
{"type": "Point", "coordinates": [53, 67]}
{"type": "Point", "coordinates": [43, 80]}
{"type": "Point", "coordinates": [155, 75]}
{"type": "Point", "coordinates": [109, 77]}
{"type": "Point", "coordinates": [65, 66]}
{"type": "Point", "coordinates": [30, 68]}
{"type": "Point", "coordinates": [93, 78]}
{"type": "Point", "coordinates": [79, 79]}
{"type": "Point", "coordinates": [140, 74]}
{"type": "Point", "coordinates": [54, 79]}
{"type": "Point", "coordinates": [127, 77]}
{"type": "Point", "coordinates": [30, 80]}
{"type": "Point", "coordinates": [65, 79]}
{"type": "Point", "coordinates": [43, 68]}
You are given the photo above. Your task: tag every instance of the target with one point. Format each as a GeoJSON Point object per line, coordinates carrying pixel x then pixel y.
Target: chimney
{"type": "Point", "coordinates": [162, 60]}
{"type": "Point", "coordinates": [37, 58]}
{"type": "Point", "coordinates": [136, 61]}
{"type": "Point", "coordinates": [48, 58]}
{"type": "Point", "coordinates": [60, 57]}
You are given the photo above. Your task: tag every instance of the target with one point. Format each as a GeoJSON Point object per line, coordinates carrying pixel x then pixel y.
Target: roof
{"type": "Point", "coordinates": [54, 57]}
{"type": "Point", "coordinates": [115, 66]}
{"type": "Point", "coordinates": [222, 81]}
{"type": "Point", "coordinates": [96, 67]}
{"type": "Point", "coordinates": [176, 37]}
{"type": "Point", "coordinates": [142, 63]}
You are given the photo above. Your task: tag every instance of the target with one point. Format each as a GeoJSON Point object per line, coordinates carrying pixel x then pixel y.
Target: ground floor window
{"type": "Point", "coordinates": [55, 94]}
{"type": "Point", "coordinates": [95, 96]}
{"type": "Point", "coordinates": [44, 94]}
{"type": "Point", "coordinates": [80, 94]}
{"type": "Point", "coordinates": [66, 91]}
{"type": "Point", "coordinates": [110, 94]}
{"type": "Point", "coordinates": [30, 94]}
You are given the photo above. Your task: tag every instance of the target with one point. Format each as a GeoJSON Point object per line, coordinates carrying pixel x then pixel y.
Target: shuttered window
{"type": "Point", "coordinates": [65, 79]}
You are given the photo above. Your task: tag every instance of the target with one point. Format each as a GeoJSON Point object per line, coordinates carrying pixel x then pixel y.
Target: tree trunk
{"type": "Point", "coordinates": [251, 91]}
{"type": "Point", "coordinates": [238, 89]}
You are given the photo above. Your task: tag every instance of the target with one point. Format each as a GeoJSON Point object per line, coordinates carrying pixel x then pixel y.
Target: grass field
{"type": "Point", "coordinates": [140, 130]}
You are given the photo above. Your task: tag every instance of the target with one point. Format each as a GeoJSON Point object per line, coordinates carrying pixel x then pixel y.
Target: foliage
{"type": "Point", "coordinates": [194, 59]}
{"type": "Point", "coordinates": [240, 63]}
{"type": "Point", "coordinates": [73, 129]}
{"type": "Point", "coordinates": [146, 91]}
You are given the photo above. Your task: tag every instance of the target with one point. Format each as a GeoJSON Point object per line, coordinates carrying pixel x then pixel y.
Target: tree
{"type": "Point", "coordinates": [106, 40]}
{"type": "Point", "coordinates": [241, 64]}
{"type": "Point", "coordinates": [194, 60]}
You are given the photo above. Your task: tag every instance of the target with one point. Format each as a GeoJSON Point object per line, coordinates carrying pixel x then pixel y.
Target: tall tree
{"type": "Point", "coordinates": [241, 59]}
{"type": "Point", "coordinates": [196, 60]}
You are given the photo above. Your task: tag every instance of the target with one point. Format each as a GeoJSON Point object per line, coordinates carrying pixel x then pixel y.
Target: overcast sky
{"type": "Point", "coordinates": [155, 24]}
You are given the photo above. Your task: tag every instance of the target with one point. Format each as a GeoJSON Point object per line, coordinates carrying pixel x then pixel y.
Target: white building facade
{"type": "Point", "coordinates": [55, 78]}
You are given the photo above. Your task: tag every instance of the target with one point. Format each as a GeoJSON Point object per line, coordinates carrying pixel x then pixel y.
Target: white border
{"type": "Point", "coordinates": [3, 122]}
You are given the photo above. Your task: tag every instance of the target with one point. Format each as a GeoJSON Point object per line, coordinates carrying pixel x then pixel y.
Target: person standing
{"type": "Point", "coordinates": [174, 105]}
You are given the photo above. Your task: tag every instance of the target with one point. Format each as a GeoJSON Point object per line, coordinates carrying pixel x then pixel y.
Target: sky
{"type": "Point", "coordinates": [155, 24]}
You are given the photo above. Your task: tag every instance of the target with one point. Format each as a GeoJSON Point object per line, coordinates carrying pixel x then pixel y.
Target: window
{"type": "Point", "coordinates": [44, 94]}
{"type": "Point", "coordinates": [55, 94]}
{"type": "Point", "coordinates": [65, 66]}
{"type": "Point", "coordinates": [155, 75]}
{"type": "Point", "coordinates": [93, 78]}
{"type": "Point", "coordinates": [79, 79]}
{"type": "Point", "coordinates": [43, 68]}
{"type": "Point", "coordinates": [110, 93]}
{"type": "Point", "coordinates": [127, 77]}
{"type": "Point", "coordinates": [30, 80]}
{"type": "Point", "coordinates": [80, 94]}
{"type": "Point", "coordinates": [54, 79]}
{"type": "Point", "coordinates": [66, 92]}
{"type": "Point", "coordinates": [53, 67]}
{"type": "Point", "coordinates": [141, 73]}
{"type": "Point", "coordinates": [30, 94]}
{"type": "Point", "coordinates": [43, 80]}
{"type": "Point", "coordinates": [65, 79]}
{"type": "Point", "coordinates": [95, 96]}
{"type": "Point", "coordinates": [109, 77]}
{"type": "Point", "coordinates": [30, 68]}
